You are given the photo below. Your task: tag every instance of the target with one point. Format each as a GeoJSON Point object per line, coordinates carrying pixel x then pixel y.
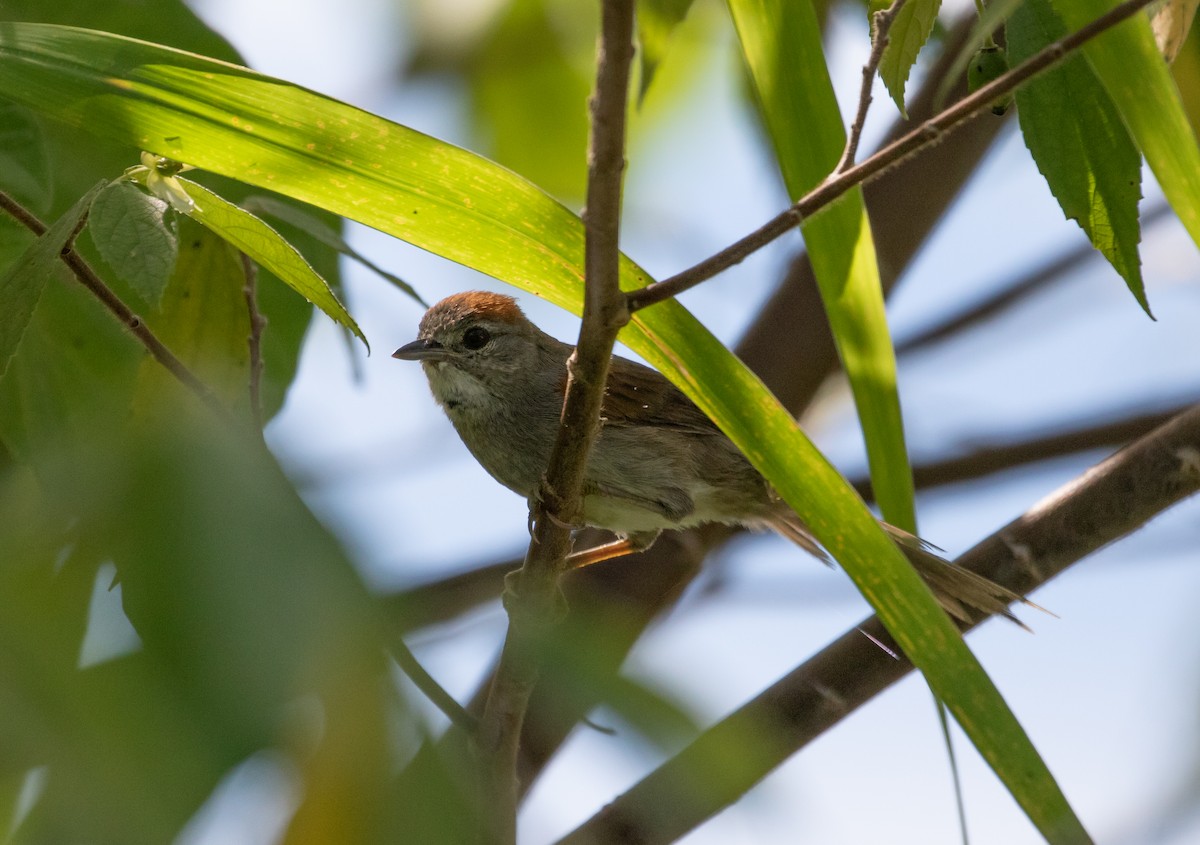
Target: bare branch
{"type": "Point", "coordinates": [881, 24]}
{"type": "Point", "coordinates": [534, 600]}
{"type": "Point", "coordinates": [90, 280]}
{"type": "Point", "coordinates": [925, 135]}
{"type": "Point", "coordinates": [1088, 513]}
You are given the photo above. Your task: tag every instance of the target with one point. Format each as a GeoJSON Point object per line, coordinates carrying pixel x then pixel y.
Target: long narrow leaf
{"type": "Point", "coordinates": [266, 246]}
{"type": "Point", "coordinates": [782, 44]}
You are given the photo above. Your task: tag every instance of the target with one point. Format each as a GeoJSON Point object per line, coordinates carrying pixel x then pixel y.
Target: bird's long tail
{"type": "Point", "coordinates": [963, 594]}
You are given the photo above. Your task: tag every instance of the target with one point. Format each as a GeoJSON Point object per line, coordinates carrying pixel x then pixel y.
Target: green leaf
{"type": "Point", "coordinates": [1080, 145]}
{"type": "Point", "coordinates": [267, 247]}
{"type": "Point", "coordinates": [24, 162]}
{"type": "Point", "coordinates": [326, 234]}
{"type": "Point", "coordinates": [1128, 64]}
{"type": "Point", "coordinates": [781, 41]}
{"type": "Point", "coordinates": [783, 50]}
{"type": "Point", "coordinates": [908, 34]}
{"type": "Point", "coordinates": [130, 233]}
{"type": "Point", "coordinates": [656, 22]}
{"type": "Point", "coordinates": [21, 284]}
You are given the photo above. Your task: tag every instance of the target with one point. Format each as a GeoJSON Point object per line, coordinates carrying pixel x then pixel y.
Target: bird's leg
{"type": "Point", "coordinates": [632, 544]}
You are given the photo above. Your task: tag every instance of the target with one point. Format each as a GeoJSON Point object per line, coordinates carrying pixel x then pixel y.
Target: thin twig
{"type": "Point", "coordinates": [534, 600]}
{"type": "Point", "coordinates": [427, 684]}
{"type": "Point", "coordinates": [1084, 515]}
{"type": "Point", "coordinates": [90, 280]}
{"type": "Point", "coordinates": [925, 135]}
{"type": "Point", "coordinates": [254, 340]}
{"type": "Point", "coordinates": [881, 25]}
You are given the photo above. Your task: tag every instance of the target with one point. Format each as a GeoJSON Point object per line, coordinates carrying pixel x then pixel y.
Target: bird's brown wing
{"type": "Point", "coordinates": [636, 395]}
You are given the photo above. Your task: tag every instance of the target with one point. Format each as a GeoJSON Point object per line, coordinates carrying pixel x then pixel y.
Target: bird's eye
{"type": "Point", "coordinates": [475, 337]}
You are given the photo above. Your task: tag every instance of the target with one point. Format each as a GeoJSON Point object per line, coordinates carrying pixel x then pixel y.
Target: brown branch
{"type": "Point", "coordinates": [254, 340]}
{"type": "Point", "coordinates": [534, 600]}
{"type": "Point", "coordinates": [90, 280]}
{"type": "Point", "coordinates": [1088, 513]}
{"type": "Point", "coordinates": [881, 25]}
{"type": "Point", "coordinates": [928, 133]}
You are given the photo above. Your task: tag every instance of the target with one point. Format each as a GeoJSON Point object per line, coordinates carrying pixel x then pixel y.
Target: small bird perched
{"type": "Point", "coordinates": [658, 462]}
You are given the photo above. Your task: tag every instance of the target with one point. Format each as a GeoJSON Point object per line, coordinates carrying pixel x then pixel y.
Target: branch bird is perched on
{"type": "Point", "coordinates": [658, 462]}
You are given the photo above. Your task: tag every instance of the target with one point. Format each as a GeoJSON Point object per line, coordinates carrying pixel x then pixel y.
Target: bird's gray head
{"type": "Point", "coordinates": [469, 341]}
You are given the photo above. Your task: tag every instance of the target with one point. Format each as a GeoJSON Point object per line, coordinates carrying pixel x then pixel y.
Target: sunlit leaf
{"type": "Point", "coordinates": [252, 236]}
{"type": "Point", "coordinates": [783, 51]}
{"type": "Point", "coordinates": [1080, 144]}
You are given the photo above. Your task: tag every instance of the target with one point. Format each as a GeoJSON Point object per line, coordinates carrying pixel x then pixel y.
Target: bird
{"type": "Point", "coordinates": [658, 462]}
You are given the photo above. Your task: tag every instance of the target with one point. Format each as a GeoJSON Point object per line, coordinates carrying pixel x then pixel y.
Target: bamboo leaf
{"type": "Point", "coordinates": [783, 50]}
{"type": "Point", "coordinates": [797, 97]}
{"type": "Point", "coordinates": [267, 247]}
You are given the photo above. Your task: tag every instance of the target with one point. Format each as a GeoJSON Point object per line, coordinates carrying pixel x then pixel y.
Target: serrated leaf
{"type": "Point", "coordinates": [268, 248]}
{"type": "Point", "coordinates": [21, 284]}
{"type": "Point", "coordinates": [908, 34]}
{"type": "Point", "coordinates": [1127, 62]}
{"type": "Point", "coordinates": [326, 234]}
{"type": "Point", "coordinates": [130, 233]}
{"type": "Point", "coordinates": [656, 22]}
{"type": "Point", "coordinates": [1080, 145]}
{"type": "Point", "coordinates": [24, 162]}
